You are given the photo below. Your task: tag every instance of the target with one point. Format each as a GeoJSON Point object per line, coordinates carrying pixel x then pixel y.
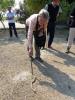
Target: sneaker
{"type": "Point", "coordinates": [67, 51]}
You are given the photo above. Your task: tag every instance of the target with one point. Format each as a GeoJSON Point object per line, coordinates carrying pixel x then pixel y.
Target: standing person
{"type": "Point", "coordinates": [37, 25]}
{"type": "Point", "coordinates": [71, 31]}
{"type": "Point", "coordinates": [53, 9]}
{"type": "Point", "coordinates": [11, 22]}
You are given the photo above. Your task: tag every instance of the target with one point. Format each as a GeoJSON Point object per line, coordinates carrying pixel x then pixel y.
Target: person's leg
{"type": "Point", "coordinates": [10, 29]}
{"type": "Point", "coordinates": [51, 37]}
{"type": "Point", "coordinates": [67, 37]}
{"type": "Point", "coordinates": [14, 28]}
{"type": "Point", "coordinates": [70, 39]}
{"type": "Point", "coordinates": [51, 34]}
{"type": "Point", "coordinates": [26, 30]}
{"type": "Point", "coordinates": [37, 51]}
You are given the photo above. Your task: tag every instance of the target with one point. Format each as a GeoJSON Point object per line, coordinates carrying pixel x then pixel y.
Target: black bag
{"type": "Point", "coordinates": [39, 40]}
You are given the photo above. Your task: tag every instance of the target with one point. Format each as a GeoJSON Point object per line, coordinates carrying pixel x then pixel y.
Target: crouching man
{"type": "Point", "coordinates": [37, 25]}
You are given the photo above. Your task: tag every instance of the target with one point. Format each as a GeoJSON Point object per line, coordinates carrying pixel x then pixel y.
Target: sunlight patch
{"type": "Point", "coordinates": [22, 76]}
{"type": "Point", "coordinates": [72, 77]}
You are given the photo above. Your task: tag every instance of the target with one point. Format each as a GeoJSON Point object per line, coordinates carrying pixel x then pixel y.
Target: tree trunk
{"type": "Point", "coordinates": [3, 25]}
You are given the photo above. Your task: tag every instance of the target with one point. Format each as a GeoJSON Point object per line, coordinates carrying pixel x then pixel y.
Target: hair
{"type": "Point", "coordinates": [9, 7]}
{"type": "Point", "coordinates": [56, 1]}
{"type": "Point", "coordinates": [44, 13]}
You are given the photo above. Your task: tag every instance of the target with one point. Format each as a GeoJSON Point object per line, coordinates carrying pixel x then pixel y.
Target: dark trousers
{"type": "Point", "coordinates": [51, 32]}
{"type": "Point", "coordinates": [12, 27]}
{"type": "Point", "coordinates": [37, 51]}
{"type": "Point", "coordinates": [26, 30]}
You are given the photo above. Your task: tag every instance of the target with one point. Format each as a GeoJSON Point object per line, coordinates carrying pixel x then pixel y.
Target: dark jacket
{"type": "Point", "coordinates": [72, 18]}
{"type": "Point", "coordinates": [53, 11]}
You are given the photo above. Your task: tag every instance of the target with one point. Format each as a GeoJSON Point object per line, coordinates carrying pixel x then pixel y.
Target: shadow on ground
{"type": "Point", "coordinates": [68, 59]}
{"type": "Point", "coordinates": [5, 40]}
{"type": "Point", "coordinates": [63, 83]}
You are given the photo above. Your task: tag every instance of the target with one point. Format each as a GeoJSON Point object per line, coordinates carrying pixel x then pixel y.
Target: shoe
{"type": "Point", "coordinates": [67, 39]}
{"type": "Point", "coordinates": [39, 59]}
{"type": "Point", "coordinates": [32, 58]}
{"type": "Point", "coordinates": [17, 37]}
{"type": "Point", "coordinates": [10, 39]}
{"type": "Point", "coordinates": [50, 47]}
{"type": "Point", "coordinates": [74, 39]}
{"type": "Point", "coordinates": [68, 50]}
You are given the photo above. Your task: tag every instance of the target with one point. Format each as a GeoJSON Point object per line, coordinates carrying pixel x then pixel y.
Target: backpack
{"type": "Point", "coordinates": [39, 40]}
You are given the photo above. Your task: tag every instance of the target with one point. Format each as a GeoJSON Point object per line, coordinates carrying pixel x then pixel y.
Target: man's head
{"type": "Point", "coordinates": [43, 17]}
{"type": "Point", "coordinates": [55, 2]}
{"type": "Point", "coordinates": [9, 8]}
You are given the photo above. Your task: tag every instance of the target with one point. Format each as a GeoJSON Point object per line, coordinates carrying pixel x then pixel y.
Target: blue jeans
{"type": "Point", "coordinates": [12, 27]}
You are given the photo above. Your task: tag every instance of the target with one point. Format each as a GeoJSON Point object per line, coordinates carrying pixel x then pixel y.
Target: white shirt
{"type": "Point", "coordinates": [10, 15]}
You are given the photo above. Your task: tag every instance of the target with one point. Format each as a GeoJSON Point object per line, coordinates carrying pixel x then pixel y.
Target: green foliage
{"type": "Point", "coordinates": [69, 1]}
{"type": "Point", "coordinates": [5, 3]}
{"type": "Point", "coordinates": [0, 17]}
{"type": "Point", "coordinates": [33, 6]}
{"type": "Point", "coordinates": [66, 9]}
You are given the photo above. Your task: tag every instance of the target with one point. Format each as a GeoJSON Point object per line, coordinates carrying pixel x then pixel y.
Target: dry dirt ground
{"type": "Point", "coordinates": [55, 75]}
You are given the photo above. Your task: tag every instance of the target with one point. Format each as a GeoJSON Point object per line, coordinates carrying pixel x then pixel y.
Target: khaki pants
{"type": "Point", "coordinates": [71, 37]}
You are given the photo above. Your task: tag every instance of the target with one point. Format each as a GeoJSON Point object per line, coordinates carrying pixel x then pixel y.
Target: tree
{"type": "Point", "coordinates": [5, 3]}
{"type": "Point", "coordinates": [3, 6]}
{"type": "Point", "coordinates": [2, 21]}
{"type": "Point", "coordinates": [66, 9]}
{"type": "Point", "coordinates": [34, 5]}
{"type": "Point", "coordinates": [69, 1]}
